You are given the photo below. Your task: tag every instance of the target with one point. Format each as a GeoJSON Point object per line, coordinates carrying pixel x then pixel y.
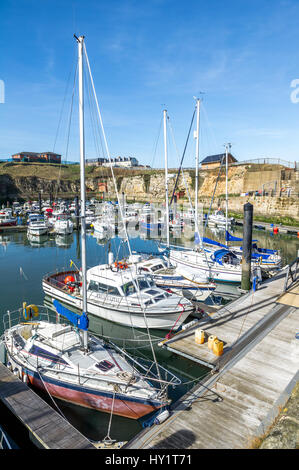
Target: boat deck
{"type": "Point", "coordinates": [48, 427]}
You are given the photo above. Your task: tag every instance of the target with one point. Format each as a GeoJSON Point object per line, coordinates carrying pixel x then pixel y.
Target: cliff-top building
{"type": "Point", "coordinates": [124, 162]}
{"type": "Point", "coordinates": [214, 161]}
{"type": "Point", "coordinates": [44, 157]}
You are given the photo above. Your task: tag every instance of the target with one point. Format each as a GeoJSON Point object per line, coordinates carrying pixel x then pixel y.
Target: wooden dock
{"type": "Point", "coordinates": [47, 426]}
{"type": "Point", "coordinates": [292, 230]}
{"type": "Point", "coordinates": [236, 403]}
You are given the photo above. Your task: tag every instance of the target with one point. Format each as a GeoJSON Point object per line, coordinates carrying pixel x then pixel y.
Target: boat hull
{"type": "Point", "coordinates": [217, 274]}
{"type": "Point", "coordinates": [154, 319]}
{"type": "Point", "coordinates": [99, 400]}
{"type": "Point", "coordinates": [11, 223]}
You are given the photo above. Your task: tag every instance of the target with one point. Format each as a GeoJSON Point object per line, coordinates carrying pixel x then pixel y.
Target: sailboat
{"type": "Point", "coordinates": [69, 363]}
{"type": "Point", "coordinates": [220, 265]}
{"type": "Point", "coordinates": [180, 281]}
{"type": "Point", "coordinates": [115, 291]}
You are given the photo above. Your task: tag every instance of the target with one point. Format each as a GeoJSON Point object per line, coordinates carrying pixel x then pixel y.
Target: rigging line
{"type": "Point", "coordinates": [190, 202]}
{"type": "Point", "coordinates": [59, 410]}
{"type": "Point", "coordinates": [107, 437]}
{"type": "Point", "coordinates": [215, 187]}
{"type": "Point", "coordinates": [68, 132]}
{"type": "Point", "coordinates": [63, 103]}
{"type": "Point", "coordinates": [172, 197]}
{"type": "Point", "coordinates": [92, 112]}
{"type": "Point", "coordinates": [116, 191]}
{"type": "Point", "coordinates": [156, 145]}
{"type": "Point", "coordinates": [209, 125]}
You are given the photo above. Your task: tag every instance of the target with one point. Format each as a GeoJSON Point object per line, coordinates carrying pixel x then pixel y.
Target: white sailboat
{"type": "Point", "coordinates": [66, 360]}
{"type": "Point", "coordinates": [115, 291]}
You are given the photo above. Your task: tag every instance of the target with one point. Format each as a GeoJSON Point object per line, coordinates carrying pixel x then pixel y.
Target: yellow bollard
{"type": "Point", "coordinates": [211, 340]}
{"type": "Point", "coordinates": [199, 336]}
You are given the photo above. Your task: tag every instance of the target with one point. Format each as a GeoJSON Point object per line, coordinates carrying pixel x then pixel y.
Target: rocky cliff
{"type": "Point", "coordinates": [27, 180]}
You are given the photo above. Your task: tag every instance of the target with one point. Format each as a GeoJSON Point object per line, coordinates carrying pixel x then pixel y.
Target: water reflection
{"type": "Point", "coordinates": [24, 262]}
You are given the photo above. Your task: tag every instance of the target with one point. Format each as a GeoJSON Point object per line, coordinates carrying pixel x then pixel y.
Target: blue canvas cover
{"type": "Point", "coordinates": [231, 238]}
{"type": "Point", "coordinates": [212, 242]}
{"type": "Point", "coordinates": [81, 321]}
{"type": "Point", "coordinates": [218, 255]}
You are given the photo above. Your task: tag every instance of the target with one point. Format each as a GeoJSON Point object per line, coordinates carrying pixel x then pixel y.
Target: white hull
{"type": "Point", "coordinates": [196, 261]}
{"type": "Point", "coordinates": [130, 318]}
{"type": "Point", "coordinates": [38, 231]}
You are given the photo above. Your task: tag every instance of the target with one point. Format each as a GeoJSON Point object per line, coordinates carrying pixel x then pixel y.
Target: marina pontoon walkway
{"type": "Point", "coordinates": [234, 407]}
{"type": "Point", "coordinates": [48, 427]}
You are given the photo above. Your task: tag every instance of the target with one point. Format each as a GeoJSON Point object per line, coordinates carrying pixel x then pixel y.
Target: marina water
{"type": "Point", "coordinates": [24, 263]}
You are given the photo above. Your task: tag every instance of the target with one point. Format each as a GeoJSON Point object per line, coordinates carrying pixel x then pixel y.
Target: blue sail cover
{"type": "Point", "coordinates": [231, 238]}
{"type": "Point", "coordinates": [212, 242]}
{"type": "Point", "coordinates": [218, 255]}
{"type": "Point", "coordinates": [81, 321]}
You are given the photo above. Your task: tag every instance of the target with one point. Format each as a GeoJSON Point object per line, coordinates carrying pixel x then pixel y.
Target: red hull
{"type": "Point", "coordinates": [8, 224]}
{"type": "Point", "coordinates": [127, 409]}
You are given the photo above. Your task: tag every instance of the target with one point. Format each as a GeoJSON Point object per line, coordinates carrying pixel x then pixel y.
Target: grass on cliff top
{"type": "Point", "coordinates": [52, 171]}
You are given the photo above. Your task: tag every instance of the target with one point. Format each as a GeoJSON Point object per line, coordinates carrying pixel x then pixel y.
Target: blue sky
{"type": "Point", "coordinates": [146, 56]}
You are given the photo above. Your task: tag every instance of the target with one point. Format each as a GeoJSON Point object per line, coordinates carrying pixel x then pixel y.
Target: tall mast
{"type": "Point", "coordinates": [80, 41]}
{"type": "Point", "coordinates": [197, 159]}
{"type": "Point", "coordinates": [227, 146]}
{"type": "Point", "coordinates": [166, 178]}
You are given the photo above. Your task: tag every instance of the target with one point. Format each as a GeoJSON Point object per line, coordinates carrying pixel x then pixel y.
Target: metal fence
{"type": "Point", "coordinates": [292, 274]}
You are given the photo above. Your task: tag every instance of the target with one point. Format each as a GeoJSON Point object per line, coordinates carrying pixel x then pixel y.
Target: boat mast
{"type": "Point", "coordinates": [166, 179]}
{"type": "Point", "coordinates": [80, 41]}
{"type": "Point", "coordinates": [227, 146]}
{"type": "Point", "coordinates": [197, 159]}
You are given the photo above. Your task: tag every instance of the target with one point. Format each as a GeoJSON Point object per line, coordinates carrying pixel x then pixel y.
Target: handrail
{"type": "Point", "coordinates": [292, 273]}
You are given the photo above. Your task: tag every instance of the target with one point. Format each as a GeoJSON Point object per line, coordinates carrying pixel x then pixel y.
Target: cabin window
{"type": "Point", "coordinates": [129, 288]}
{"type": "Point", "coordinates": [143, 284]}
{"type": "Point", "coordinates": [103, 288]}
{"type": "Point", "coordinates": [158, 266]}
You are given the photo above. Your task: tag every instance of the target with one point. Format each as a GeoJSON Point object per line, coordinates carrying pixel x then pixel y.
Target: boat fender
{"type": "Point", "coordinates": [25, 378]}
{"type": "Point", "coordinates": [16, 372]}
{"type": "Point", "coordinates": [161, 417]}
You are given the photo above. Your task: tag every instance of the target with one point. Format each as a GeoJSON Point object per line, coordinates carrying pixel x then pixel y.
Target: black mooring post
{"type": "Point", "coordinates": [247, 246]}
{"type": "Point", "coordinates": [40, 202]}
{"type": "Point", "coordinates": [77, 212]}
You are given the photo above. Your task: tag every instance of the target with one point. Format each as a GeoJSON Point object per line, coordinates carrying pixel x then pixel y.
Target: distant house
{"type": "Point", "coordinates": [125, 162]}
{"type": "Point", "coordinates": [214, 161]}
{"type": "Point", "coordinates": [44, 157]}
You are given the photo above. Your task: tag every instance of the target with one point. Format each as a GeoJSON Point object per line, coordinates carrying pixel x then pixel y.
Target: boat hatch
{"type": "Point", "coordinates": [104, 365]}
{"type": "Point", "coordinates": [44, 354]}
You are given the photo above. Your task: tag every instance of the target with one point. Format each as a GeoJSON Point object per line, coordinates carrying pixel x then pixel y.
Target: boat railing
{"type": "Point", "coordinates": [4, 441]}
{"type": "Point", "coordinates": [113, 300]}
{"type": "Point", "coordinates": [18, 316]}
{"type": "Point", "coordinates": [292, 274]}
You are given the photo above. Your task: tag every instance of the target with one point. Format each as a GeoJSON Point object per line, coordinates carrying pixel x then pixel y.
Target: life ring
{"type": "Point", "coordinates": [120, 265]}
{"type": "Point", "coordinates": [29, 311]}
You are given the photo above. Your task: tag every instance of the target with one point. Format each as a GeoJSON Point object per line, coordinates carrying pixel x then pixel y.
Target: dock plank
{"type": "Point", "coordinates": [262, 357]}
{"type": "Point", "coordinates": [49, 427]}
